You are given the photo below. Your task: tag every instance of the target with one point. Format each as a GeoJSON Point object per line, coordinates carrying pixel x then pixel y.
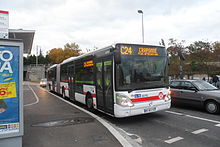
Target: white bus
{"type": "Point", "coordinates": [121, 80]}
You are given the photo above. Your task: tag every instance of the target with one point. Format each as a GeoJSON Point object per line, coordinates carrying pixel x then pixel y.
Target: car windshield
{"type": "Point", "coordinates": [141, 72]}
{"type": "Point", "coordinates": [203, 85]}
{"type": "Point", "coordinates": [43, 80]}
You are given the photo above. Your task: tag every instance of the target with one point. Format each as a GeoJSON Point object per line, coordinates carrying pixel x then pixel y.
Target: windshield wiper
{"type": "Point", "coordinates": [133, 89]}
{"type": "Point", "coordinates": [130, 90]}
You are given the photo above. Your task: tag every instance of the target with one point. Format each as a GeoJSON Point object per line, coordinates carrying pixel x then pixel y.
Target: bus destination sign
{"type": "Point", "coordinates": [140, 50]}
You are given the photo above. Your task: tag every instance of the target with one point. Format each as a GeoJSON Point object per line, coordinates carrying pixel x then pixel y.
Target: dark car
{"type": "Point", "coordinates": [196, 92]}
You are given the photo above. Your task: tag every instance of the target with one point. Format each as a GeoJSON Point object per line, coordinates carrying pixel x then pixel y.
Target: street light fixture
{"type": "Point", "coordinates": [141, 12]}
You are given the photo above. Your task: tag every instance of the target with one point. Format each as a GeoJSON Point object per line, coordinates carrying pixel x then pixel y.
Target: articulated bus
{"type": "Point", "coordinates": [121, 80]}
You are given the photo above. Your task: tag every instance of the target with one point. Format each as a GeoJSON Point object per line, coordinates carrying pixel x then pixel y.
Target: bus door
{"type": "Point", "coordinates": [71, 81]}
{"type": "Point", "coordinates": [53, 84]}
{"type": "Point", "coordinates": [54, 79]}
{"type": "Point", "coordinates": [104, 88]}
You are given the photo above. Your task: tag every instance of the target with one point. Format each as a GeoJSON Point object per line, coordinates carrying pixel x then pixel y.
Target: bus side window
{"type": "Point", "coordinates": [78, 81]}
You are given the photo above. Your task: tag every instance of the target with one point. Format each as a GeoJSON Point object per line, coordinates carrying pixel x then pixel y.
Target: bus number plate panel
{"type": "Point", "coordinates": [150, 109]}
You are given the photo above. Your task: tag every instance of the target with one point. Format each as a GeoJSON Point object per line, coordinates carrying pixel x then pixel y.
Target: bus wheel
{"type": "Point", "coordinates": [89, 103]}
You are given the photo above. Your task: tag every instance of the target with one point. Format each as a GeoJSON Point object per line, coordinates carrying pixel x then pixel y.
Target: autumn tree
{"type": "Point", "coordinates": [57, 55]}
{"type": "Point", "coordinates": [200, 55]}
{"type": "Point", "coordinates": [174, 49]}
{"type": "Point", "coordinates": [216, 51]}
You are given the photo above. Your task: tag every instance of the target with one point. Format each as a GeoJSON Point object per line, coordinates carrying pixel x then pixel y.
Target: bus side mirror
{"type": "Point", "coordinates": [168, 61]}
{"type": "Point", "coordinates": [117, 57]}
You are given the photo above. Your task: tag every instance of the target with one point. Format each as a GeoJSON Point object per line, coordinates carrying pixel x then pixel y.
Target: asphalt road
{"type": "Point", "coordinates": [51, 122]}
{"type": "Point", "coordinates": [177, 127]}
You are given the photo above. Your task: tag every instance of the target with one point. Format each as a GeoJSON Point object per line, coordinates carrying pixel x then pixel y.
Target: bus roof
{"type": "Point", "coordinates": [52, 66]}
{"type": "Point", "coordinates": [68, 60]}
{"type": "Point", "coordinates": [86, 54]}
{"type": "Point", "coordinates": [98, 50]}
{"type": "Point", "coordinates": [139, 44]}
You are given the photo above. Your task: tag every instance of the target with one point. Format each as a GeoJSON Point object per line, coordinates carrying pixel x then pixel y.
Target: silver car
{"type": "Point", "coordinates": [43, 82]}
{"type": "Point", "coordinates": [196, 92]}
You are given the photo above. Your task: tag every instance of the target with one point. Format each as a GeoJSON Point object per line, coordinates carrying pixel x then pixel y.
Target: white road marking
{"type": "Point", "coordinates": [112, 130]}
{"type": "Point", "coordinates": [199, 131]}
{"type": "Point", "coordinates": [37, 99]}
{"type": "Point", "coordinates": [205, 119]}
{"type": "Point", "coordinates": [195, 117]}
{"type": "Point", "coordinates": [134, 137]}
{"type": "Point", "coordinates": [218, 125]}
{"type": "Point", "coordinates": [173, 140]}
{"type": "Point", "coordinates": [174, 112]}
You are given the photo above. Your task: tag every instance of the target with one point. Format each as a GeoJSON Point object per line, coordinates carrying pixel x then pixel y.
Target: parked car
{"type": "Point", "coordinates": [196, 92]}
{"type": "Point", "coordinates": [43, 82]}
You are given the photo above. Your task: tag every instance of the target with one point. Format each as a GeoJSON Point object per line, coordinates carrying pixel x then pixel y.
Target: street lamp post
{"type": "Point", "coordinates": [141, 12]}
{"type": "Point", "coordinates": [37, 55]}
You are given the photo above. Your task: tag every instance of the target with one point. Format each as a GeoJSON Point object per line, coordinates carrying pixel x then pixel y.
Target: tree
{"type": "Point", "coordinates": [174, 49]}
{"type": "Point", "coordinates": [162, 42]}
{"type": "Point", "coordinates": [57, 55]}
{"type": "Point", "coordinates": [31, 59]}
{"type": "Point", "coordinates": [200, 56]}
{"type": "Point", "coordinates": [216, 51]}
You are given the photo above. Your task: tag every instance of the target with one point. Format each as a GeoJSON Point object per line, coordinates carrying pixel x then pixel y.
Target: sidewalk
{"type": "Point", "coordinates": [50, 122]}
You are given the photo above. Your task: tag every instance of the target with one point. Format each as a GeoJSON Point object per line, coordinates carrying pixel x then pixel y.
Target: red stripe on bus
{"type": "Point", "coordinates": [93, 95]}
{"type": "Point", "coordinates": [4, 12]}
{"type": "Point", "coordinates": [146, 99]}
{"type": "Point", "coordinates": [65, 88]}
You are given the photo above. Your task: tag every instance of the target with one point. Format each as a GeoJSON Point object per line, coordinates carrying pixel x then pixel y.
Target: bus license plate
{"type": "Point", "coordinates": [151, 109]}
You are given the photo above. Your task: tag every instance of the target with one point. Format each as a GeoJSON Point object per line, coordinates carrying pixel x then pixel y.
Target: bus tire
{"type": "Point", "coordinates": [89, 102]}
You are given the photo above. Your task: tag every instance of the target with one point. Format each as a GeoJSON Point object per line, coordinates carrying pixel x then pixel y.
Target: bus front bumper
{"type": "Point", "coordinates": [141, 108]}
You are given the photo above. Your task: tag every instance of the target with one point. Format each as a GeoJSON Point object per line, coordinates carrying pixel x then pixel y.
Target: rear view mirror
{"type": "Point", "coordinates": [193, 89]}
{"type": "Point", "coordinates": [117, 56]}
{"type": "Point", "coordinates": [168, 61]}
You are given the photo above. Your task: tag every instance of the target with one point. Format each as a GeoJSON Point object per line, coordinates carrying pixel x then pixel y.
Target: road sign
{"type": "Point", "coordinates": [4, 24]}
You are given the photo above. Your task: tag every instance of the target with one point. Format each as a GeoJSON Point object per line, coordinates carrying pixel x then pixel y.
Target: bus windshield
{"type": "Point", "coordinates": [141, 72]}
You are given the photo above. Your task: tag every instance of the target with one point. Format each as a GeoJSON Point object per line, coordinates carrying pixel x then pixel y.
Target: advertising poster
{"type": "Point", "coordinates": [9, 89]}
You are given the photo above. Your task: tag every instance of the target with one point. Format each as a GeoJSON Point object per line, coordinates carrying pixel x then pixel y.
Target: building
{"type": "Point", "coordinates": [31, 72]}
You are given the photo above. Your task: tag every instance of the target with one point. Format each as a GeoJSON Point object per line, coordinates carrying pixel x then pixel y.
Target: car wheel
{"type": "Point", "coordinates": [212, 107]}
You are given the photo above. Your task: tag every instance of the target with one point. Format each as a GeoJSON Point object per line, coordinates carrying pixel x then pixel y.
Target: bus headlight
{"type": "Point", "coordinates": [123, 100]}
{"type": "Point", "coordinates": [168, 97]}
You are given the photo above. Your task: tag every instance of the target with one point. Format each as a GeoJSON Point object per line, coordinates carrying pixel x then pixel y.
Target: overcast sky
{"type": "Point", "coordinates": [100, 23]}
